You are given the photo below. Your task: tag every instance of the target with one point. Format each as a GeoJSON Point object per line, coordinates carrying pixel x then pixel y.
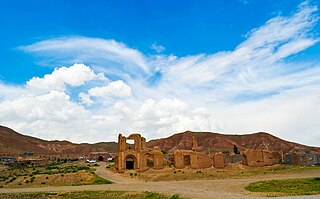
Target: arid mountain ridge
{"type": "Point", "coordinates": [12, 142]}
{"type": "Point", "coordinates": [208, 141]}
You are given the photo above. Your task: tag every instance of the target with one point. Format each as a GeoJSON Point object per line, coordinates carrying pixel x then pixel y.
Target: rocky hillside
{"type": "Point", "coordinates": [13, 142]}
{"type": "Point", "coordinates": [220, 142]}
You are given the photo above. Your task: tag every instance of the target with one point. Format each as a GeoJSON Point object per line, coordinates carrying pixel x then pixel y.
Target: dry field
{"type": "Point", "coordinates": [52, 175]}
{"type": "Point", "coordinates": [186, 183]}
{"type": "Point", "coordinates": [89, 194]}
{"type": "Point", "coordinates": [232, 171]}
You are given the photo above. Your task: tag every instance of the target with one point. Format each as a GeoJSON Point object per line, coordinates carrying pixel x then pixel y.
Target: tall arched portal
{"type": "Point", "coordinates": [131, 162]}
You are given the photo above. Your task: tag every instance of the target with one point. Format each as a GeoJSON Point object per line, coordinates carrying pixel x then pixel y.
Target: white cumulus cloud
{"type": "Point", "coordinates": [75, 75]}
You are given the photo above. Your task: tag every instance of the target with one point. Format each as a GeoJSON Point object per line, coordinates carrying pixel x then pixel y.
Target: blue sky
{"type": "Point", "coordinates": [184, 28]}
{"type": "Point", "coordinates": [160, 67]}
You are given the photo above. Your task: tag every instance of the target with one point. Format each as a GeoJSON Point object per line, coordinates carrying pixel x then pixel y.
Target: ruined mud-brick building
{"type": "Point", "coordinates": [196, 160]}
{"type": "Point", "coordinates": [261, 158]}
{"type": "Point", "coordinates": [305, 159]}
{"type": "Point", "coordinates": [100, 156]}
{"type": "Point", "coordinates": [134, 155]}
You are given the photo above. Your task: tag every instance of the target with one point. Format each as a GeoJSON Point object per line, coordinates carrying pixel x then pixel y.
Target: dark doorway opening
{"type": "Point", "coordinates": [101, 158]}
{"type": "Point", "coordinates": [129, 164]}
{"type": "Point", "coordinates": [186, 159]}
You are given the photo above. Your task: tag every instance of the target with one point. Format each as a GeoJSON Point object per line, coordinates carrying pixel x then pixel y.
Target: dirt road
{"type": "Point", "coordinates": [226, 188]}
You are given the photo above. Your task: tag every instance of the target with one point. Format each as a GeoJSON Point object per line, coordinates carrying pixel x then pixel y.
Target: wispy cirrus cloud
{"type": "Point", "coordinates": [261, 57]}
{"type": "Point", "coordinates": [254, 87]}
{"type": "Point", "coordinates": [94, 51]}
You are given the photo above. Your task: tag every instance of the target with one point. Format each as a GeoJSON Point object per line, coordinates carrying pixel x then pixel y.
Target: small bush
{"type": "Point", "coordinates": [175, 197]}
{"type": "Point", "coordinates": [32, 179]}
{"type": "Point", "coordinates": [43, 182]}
{"type": "Point", "coordinates": [47, 178]}
{"type": "Point", "coordinates": [50, 167]}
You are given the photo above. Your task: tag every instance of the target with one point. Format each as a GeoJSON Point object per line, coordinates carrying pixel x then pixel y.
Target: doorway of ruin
{"type": "Point", "coordinates": [186, 159]}
{"type": "Point", "coordinates": [150, 161]}
{"type": "Point", "coordinates": [130, 162]}
{"type": "Point", "coordinates": [101, 158]}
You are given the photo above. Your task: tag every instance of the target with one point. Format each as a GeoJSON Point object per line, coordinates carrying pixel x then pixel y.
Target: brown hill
{"type": "Point", "coordinates": [219, 142]}
{"type": "Point", "coordinates": [13, 142]}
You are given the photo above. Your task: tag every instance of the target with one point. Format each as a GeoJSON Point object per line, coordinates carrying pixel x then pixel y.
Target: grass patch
{"type": "Point", "coordinates": [99, 180]}
{"type": "Point", "coordinates": [91, 194]}
{"type": "Point", "coordinates": [153, 195]}
{"type": "Point", "coordinates": [290, 187]}
{"type": "Point", "coordinates": [96, 180]}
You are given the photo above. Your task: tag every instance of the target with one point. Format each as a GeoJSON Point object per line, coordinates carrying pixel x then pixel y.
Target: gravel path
{"type": "Point", "coordinates": [225, 188]}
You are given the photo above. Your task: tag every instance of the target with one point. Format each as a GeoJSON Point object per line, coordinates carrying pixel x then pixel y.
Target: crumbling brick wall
{"type": "Point", "coordinates": [219, 160]}
{"type": "Point", "coordinates": [205, 161]}
{"type": "Point", "coordinates": [261, 158]}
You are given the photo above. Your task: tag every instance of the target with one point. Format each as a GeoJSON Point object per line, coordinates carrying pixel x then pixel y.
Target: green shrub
{"type": "Point", "coordinates": [32, 179]}
{"type": "Point", "coordinates": [175, 196]}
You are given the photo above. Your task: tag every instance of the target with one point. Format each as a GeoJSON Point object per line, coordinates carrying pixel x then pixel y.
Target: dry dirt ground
{"type": "Point", "coordinates": [225, 188]}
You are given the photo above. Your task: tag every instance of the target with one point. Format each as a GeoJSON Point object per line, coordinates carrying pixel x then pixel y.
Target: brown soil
{"type": "Point", "coordinates": [222, 188]}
